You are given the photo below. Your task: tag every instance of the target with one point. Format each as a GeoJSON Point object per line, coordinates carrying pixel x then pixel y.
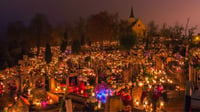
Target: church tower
{"type": "Point", "coordinates": [131, 17]}
{"type": "Point", "coordinates": [136, 25]}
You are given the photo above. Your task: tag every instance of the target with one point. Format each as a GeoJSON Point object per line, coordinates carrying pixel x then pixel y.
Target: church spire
{"type": "Point", "coordinates": [131, 15]}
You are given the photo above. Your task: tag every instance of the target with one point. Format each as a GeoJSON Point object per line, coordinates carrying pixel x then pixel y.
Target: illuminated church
{"type": "Point", "coordinates": [137, 26]}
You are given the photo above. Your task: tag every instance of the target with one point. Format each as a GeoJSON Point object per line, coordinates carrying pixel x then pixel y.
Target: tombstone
{"type": "Point", "coordinates": [52, 83]}
{"type": "Point", "coordinates": [137, 93]}
{"type": "Point", "coordinates": [18, 83]}
{"type": "Point", "coordinates": [23, 78]}
{"type": "Point", "coordinates": [11, 86]}
{"type": "Point", "coordinates": [114, 104]}
{"type": "Point", "coordinates": [126, 75]}
{"type": "Point", "coordinates": [68, 105]}
{"type": "Point", "coordinates": [71, 76]}
{"type": "Point", "coordinates": [36, 78]}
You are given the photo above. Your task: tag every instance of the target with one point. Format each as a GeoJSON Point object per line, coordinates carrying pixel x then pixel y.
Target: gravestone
{"type": "Point", "coordinates": [68, 104]}
{"type": "Point", "coordinates": [52, 83]}
{"type": "Point", "coordinates": [114, 104]}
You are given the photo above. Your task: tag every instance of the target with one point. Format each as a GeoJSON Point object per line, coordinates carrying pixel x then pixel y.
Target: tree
{"type": "Point", "coordinates": [89, 42]}
{"type": "Point", "coordinates": [57, 35]}
{"type": "Point", "coordinates": [82, 40]}
{"type": "Point", "coordinates": [48, 54]}
{"type": "Point", "coordinates": [115, 25]}
{"type": "Point", "coordinates": [124, 27]}
{"type": "Point", "coordinates": [17, 42]}
{"type": "Point", "coordinates": [183, 51]}
{"type": "Point", "coordinates": [178, 31]}
{"type": "Point", "coordinates": [80, 27]}
{"type": "Point", "coordinates": [165, 31]}
{"type": "Point", "coordinates": [41, 29]}
{"type": "Point", "coordinates": [76, 46]}
{"type": "Point", "coordinates": [191, 32]}
{"type": "Point", "coordinates": [152, 32]}
{"type": "Point", "coordinates": [63, 46]}
{"type": "Point", "coordinates": [147, 43]}
{"type": "Point", "coordinates": [152, 29]}
{"type": "Point", "coordinates": [100, 26]}
{"type": "Point", "coordinates": [66, 35]}
{"type": "Point", "coordinates": [127, 41]}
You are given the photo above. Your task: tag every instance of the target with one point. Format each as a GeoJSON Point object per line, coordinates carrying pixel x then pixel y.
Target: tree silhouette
{"type": "Point", "coordinates": [63, 46]}
{"type": "Point", "coordinates": [48, 54]}
{"type": "Point", "coordinates": [41, 29]}
{"type": "Point", "coordinates": [82, 40]}
{"type": "Point", "coordinates": [76, 46]}
{"type": "Point", "coordinates": [127, 41]}
{"type": "Point", "coordinates": [100, 26]}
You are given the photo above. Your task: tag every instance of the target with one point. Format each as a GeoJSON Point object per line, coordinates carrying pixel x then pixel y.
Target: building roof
{"type": "Point", "coordinates": [133, 23]}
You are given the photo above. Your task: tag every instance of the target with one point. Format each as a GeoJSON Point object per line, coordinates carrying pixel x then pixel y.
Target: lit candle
{"type": "Point", "coordinates": [137, 103]}
{"type": "Point", "coordinates": [29, 91]}
{"type": "Point", "coordinates": [50, 101]}
{"type": "Point", "coordinates": [56, 89]}
{"type": "Point", "coordinates": [161, 103]}
{"type": "Point", "coordinates": [140, 84]}
{"type": "Point", "coordinates": [93, 94]}
{"type": "Point", "coordinates": [81, 91]}
{"type": "Point", "coordinates": [99, 104]}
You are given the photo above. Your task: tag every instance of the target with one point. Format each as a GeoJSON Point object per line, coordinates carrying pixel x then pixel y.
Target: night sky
{"type": "Point", "coordinates": [68, 11]}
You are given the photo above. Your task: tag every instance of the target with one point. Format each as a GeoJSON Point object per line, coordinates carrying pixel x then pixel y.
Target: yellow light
{"type": "Point", "coordinates": [140, 84]}
{"type": "Point", "coordinates": [145, 102]}
{"type": "Point", "coordinates": [99, 104]}
{"type": "Point", "coordinates": [38, 104]}
{"type": "Point", "coordinates": [93, 94]}
{"type": "Point", "coordinates": [64, 89]}
{"type": "Point", "coordinates": [154, 81]}
{"type": "Point", "coordinates": [88, 84]}
{"type": "Point", "coordinates": [130, 83]}
{"type": "Point", "coordinates": [15, 98]}
{"type": "Point", "coordinates": [29, 91]}
{"type": "Point", "coordinates": [146, 78]}
{"type": "Point", "coordinates": [197, 38]}
{"type": "Point", "coordinates": [161, 103]}
{"type": "Point", "coordinates": [81, 91]}
{"type": "Point", "coordinates": [150, 86]}
{"type": "Point", "coordinates": [50, 101]}
{"type": "Point", "coordinates": [155, 77]}
{"type": "Point", "coordinates": [137, 103]}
